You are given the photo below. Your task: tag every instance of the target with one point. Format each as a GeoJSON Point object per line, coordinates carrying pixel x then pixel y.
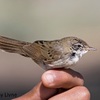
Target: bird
{"type": "Point", "coordinates": [49, 54]}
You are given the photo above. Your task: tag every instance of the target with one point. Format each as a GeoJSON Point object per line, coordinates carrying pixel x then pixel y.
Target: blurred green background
{"type": "Point", "coordinates": [31, 20]}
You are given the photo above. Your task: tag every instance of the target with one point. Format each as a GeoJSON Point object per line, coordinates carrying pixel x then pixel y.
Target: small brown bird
{"type": "Point", "coordinates": [61, 53]}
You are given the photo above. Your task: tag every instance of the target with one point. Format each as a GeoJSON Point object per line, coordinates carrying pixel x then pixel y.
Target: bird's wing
{"type": "Point", "coordinates": [45, 51]}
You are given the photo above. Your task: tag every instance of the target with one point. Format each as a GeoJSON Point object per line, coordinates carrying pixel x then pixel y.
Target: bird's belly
{"type": "Point", "coordinates": [61, 63]}
{"type": "Point", "coordinates": [64, 62]}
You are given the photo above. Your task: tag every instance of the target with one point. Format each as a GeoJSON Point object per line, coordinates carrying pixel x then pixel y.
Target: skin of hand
{"type": "Point", "coordinates": [58, 85]}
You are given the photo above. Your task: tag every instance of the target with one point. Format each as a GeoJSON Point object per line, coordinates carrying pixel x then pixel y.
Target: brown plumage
{"type": "Point", "coordinates": [48, 54]}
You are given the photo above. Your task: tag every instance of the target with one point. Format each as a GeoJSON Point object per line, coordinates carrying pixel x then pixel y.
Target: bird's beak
{"type": "Point", "coordinates": [91, 49]}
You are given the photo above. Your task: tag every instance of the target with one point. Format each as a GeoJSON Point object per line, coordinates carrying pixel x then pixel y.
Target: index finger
{"type": "Point", "coordinates": [62, 78]}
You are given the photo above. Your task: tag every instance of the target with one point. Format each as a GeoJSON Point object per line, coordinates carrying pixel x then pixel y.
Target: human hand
{"type": "Point", "coordinates": [58, 85]}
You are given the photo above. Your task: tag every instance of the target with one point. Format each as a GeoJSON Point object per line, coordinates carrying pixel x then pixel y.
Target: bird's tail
{"type": "Point", "coordinates": [12, 45]}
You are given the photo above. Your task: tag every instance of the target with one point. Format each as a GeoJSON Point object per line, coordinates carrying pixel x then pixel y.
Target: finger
{"type": "Point", "coordinates": [76, 93]}
{"type": "Point", "coordinates": [39, 92]}
{"type": "Point", "coordinates": [62, 78]}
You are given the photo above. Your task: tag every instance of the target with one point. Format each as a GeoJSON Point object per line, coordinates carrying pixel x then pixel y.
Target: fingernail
{"type": "Point", "coordinates": [50, 78]}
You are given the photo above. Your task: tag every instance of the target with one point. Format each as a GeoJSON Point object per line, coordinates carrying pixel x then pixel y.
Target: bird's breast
{"type": "Point", "coordinates": [63, 63]}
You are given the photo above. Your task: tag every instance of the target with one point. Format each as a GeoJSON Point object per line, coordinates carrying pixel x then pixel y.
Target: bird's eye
{"type": "Point", "coordinates": [77, 46]}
